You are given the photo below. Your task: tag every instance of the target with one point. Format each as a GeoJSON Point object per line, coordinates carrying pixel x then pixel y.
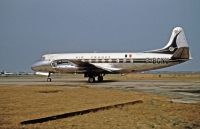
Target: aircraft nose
{"type": "Point", "coordinates": [41, 66]}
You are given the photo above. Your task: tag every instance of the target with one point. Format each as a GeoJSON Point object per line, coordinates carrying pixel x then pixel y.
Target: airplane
{"type": "Point", "coordinates": [97, 65]}
{"type": "Point", "coordinates": [6, 73]}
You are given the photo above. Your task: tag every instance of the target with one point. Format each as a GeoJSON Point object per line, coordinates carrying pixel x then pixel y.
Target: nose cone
{"type": "Point", "coordinates": [44, 66]}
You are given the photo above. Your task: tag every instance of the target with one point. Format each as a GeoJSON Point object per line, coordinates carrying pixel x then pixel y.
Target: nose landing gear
{"type": "Point", "coordinates": [49, 78]}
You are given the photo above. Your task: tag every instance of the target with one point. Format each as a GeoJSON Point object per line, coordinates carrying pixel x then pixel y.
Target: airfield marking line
{"type": "Point", "coordinates": [76, 113]}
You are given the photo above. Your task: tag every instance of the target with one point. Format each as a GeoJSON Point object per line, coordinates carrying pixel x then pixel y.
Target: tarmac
{"type": "Point", "coordinates": [177, 90]}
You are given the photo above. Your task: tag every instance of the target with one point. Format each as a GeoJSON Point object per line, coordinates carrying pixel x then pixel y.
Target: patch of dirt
{"type": "Point", "coordinates": [50, 91]}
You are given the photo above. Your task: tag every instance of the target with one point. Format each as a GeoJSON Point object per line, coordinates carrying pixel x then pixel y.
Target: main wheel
{"type": "Point", "coordinates": [91, 79]}
{"type": "Point", "coordinates": [100, 78]}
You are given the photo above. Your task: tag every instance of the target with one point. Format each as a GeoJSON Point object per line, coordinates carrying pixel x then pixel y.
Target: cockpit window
{"type": "Point", "coordinates": [62, 61]}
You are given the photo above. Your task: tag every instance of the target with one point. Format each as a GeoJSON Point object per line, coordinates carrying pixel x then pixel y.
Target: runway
{"type": "Point", "coordinates": [178, 91]}
{"type": "Point", "coordinates": [182, 91]}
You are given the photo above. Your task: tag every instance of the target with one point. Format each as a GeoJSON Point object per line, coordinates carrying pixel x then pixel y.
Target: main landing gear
{"type": "Point", "coordinates": [91, 78]}
{"type": "Point", "coordinates": [49, 78]}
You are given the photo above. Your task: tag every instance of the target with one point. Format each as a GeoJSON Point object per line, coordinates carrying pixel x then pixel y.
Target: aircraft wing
{"type": "Point", "coordinates": [95, 66]}
{"type": "Point", "coordinates": [107, 67]}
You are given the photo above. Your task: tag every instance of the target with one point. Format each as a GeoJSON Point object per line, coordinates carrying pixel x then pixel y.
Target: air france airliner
{"type": "Point", "coordinates": [96, 65]}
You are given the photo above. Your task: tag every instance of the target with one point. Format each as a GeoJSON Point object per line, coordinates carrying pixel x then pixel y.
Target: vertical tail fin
{"type": "Point", "coordinates": [177, 45]}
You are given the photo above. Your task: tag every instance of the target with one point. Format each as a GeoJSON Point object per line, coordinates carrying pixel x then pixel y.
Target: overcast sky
{"type": "Point", "coordinates": [30, 28]}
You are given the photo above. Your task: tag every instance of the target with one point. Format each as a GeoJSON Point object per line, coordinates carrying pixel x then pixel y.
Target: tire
{"type": "Point", "coordinates": [48, 79]}
{"type": "Point", "coordinates": [91, 79]}
{"type": "Point", "coordinates": [100, 78]}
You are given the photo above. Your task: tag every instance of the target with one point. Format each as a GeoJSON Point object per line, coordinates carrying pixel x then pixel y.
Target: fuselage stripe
{"type": "Point", "coordinates": [125, 60]}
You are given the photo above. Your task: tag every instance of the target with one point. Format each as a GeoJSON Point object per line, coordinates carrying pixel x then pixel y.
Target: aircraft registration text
{"type": "Point", "coordinates": [157, 60]}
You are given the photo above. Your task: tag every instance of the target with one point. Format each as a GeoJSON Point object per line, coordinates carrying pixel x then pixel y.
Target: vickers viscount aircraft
{"type": "Point", "coordinates": [97, 65]}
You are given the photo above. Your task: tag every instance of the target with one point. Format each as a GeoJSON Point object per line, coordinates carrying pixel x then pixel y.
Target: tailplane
{"type": "Point", "coordinates": [177, 45]}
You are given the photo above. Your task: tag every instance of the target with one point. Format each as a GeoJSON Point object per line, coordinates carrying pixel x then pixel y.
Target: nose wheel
{"type": "Point", "coordinates": [49, 78]}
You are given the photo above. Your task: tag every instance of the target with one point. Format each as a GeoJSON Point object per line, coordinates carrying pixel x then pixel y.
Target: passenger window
{"type": "Point", "coordinates": [125, 55]}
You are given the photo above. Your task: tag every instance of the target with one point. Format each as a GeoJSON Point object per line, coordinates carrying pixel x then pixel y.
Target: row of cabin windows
{"type": "Point", "coordinates": [63, 61]}
{"type": "Point", "coordinates": [102, 57]}
{"type": "Point", "coordinates": [95, 61]}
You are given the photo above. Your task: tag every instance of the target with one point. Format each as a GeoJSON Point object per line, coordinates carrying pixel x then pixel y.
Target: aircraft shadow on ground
{"type": "Point", "coordinates": [77, 113]}
{"type": "Point", "coordinates": [83, 81]}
